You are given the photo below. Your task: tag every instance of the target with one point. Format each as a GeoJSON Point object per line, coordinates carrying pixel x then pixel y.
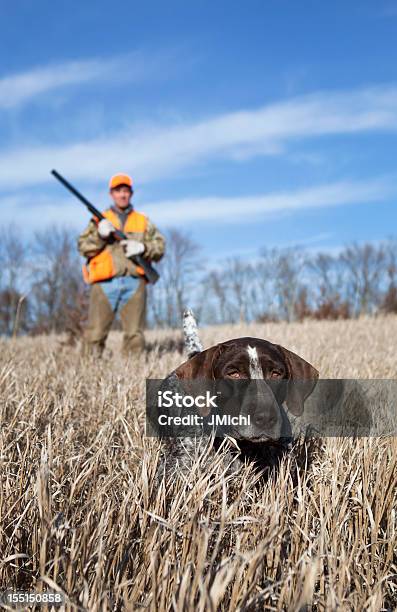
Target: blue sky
{"type": "Point", "coordinates": [247, 125]}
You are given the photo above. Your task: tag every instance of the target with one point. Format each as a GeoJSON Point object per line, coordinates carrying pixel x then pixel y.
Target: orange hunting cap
{"type": "Point", "coordinates": [120, 179]}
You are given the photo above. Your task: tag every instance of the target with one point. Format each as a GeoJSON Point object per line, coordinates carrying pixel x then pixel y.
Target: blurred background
{"type": "Point", "coordinates": [261, 139]}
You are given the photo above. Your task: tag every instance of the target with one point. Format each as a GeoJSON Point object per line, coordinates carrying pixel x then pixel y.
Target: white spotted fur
{"type": "Point", "coordinates": [190, 333]}
{"type": "Point", "coordinates": [256, 371]}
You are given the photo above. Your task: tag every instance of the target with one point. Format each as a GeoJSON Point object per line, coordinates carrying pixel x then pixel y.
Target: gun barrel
{"type": "Point", "coordinates": [78, 195]}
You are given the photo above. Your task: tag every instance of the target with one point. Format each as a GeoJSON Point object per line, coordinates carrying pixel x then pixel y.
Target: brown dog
{"type": "Point", "coordinates": [254, 358]}
{"type": "Point", "coordinates": [275, 371]}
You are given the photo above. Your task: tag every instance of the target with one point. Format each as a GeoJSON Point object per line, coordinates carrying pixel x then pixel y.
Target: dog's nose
{"type": "Point", "coordinates": [266, 419]}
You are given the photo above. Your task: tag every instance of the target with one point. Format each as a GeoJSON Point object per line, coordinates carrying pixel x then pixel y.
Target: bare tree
{"type": "Point", "coordinates": [390, 248]}
{"type": "Point", "coordinates": [239, 274]}
{"type": "Point", "coordinates": [389, 301]}
{"type": "Point", "coordinates": [324, 267]}
{"type": "Point", "coordinates": [364, 267]}
{"type": "Point", "coordinates": [13, 275]}
{"type": "Point", "coordinates": [287, 268]}
{"type": "Point", "coordinates": [216, 297]}
{"type": "Point", "coordinates": [179, 277]}
{"type": "Point", "coordinates": [57, 278]}
{"type": "Point", "coordinates": [265, 298]}
{"type": "Point", "coordinates": [14, 312]}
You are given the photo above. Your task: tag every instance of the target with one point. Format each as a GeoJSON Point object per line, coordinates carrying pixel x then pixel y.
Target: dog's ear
{"type": "Point", "coordinates": [303, 378]}
{"type": "Point", "coordinates": [201, 365]}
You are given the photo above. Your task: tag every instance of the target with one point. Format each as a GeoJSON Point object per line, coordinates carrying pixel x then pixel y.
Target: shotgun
{"type": "Point", "coordinates": [151, 274]}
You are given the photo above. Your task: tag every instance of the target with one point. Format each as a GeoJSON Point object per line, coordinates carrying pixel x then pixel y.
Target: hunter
{"type": "Point", "coordinates": [117, 284]}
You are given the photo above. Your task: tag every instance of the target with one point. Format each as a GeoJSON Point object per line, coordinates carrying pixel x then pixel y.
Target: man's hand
{"type": "Point", "coordinates": [132, 247]}
{"type": "Point", "coordinates": [105, 228]}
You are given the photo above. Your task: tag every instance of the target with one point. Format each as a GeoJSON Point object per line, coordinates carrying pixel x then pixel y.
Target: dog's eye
{"type": "Point", "coordinates": [234, 374]}
{"type": "Point", "coordinates": [275, 374]}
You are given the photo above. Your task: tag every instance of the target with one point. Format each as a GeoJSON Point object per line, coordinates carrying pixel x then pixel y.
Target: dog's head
{"type": "Point", "coordinates": [279, 374]}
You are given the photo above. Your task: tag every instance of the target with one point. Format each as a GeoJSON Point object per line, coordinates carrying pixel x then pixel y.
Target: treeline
{"type": "Point", "coordinates": [288, 284]}
{"type": "Point", "coordinates": [41, 287]}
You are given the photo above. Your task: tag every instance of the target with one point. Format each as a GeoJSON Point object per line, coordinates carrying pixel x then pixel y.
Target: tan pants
{"type": "Point", "coordinates": [101, 317]}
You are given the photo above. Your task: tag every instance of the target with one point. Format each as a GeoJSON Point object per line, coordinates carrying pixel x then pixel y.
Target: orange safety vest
{"type": "Point", "coordinates": [101, 266]}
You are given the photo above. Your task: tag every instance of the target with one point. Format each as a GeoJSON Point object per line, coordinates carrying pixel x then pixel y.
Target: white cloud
{"type": "Point", "coordinates": [42, 212]}
{"type": "Point", "coordinates": [155, 152]}
{"type": "Point", "coordinates": [247, 209]}
{"type": "Point", "coordinates": [18, 89]}
{"type": "Point", "coordinates": [188, 212]}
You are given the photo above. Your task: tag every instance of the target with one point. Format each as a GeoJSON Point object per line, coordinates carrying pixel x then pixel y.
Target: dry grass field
{"type": "Point", "coordinates": [80, 512]}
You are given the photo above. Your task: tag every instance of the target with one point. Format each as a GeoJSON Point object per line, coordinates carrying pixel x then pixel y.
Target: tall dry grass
{"type": "Point", "coordinates": [79, 510]}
